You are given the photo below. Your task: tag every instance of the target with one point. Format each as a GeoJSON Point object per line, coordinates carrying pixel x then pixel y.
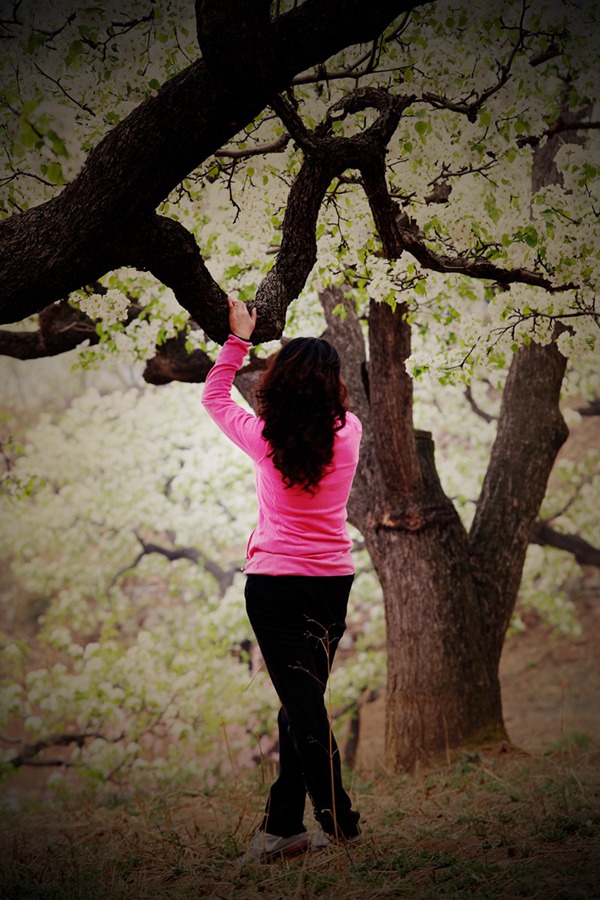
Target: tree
{"type": "Point", "coordinates": [525, 286]}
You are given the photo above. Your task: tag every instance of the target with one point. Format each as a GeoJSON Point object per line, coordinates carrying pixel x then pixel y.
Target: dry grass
{"type": "Point", "coordinates": [487, 825]}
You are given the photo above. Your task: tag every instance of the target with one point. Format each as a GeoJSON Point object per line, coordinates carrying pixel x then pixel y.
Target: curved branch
{"type": "Point", "coordinates": [559, 127]}
{"type": "Point", "coordinates": [585, 553]}
{"type": "Point", "coordinates": [325, 158]}
{"type": "Point", "coordinates": [30, 751]}
{"type": "Point", "coordinates": [397, 238]}
{"type": "Point", "coordinates": [62, 328]}
{"type": "Point", "coordinates": [82, 233]}
{"type": "Point", "coordinates": [487, 417]}
{"type": "Point", "coordinates": [223, 577]}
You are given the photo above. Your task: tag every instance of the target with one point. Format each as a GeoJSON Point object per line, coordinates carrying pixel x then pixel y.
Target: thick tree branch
{"type": "Point", "coordinates": [325, 158]}
{"type": "Point", "coordinates": [170, 252]}
{"type": "Point", "coordinates": [172, 362]}
{"type": "Point", "coordinates": [85, 231]}
{"type": "Point", "coordinates": [531, 430]}
{"type": "Point", "coordinates": [223, 577]}
{"type": "Point", "coordinates": [585, 553]}
{"type": "Point", "coordinates": [346, 334]}
{"type": "Point", "coordinates": [62, 328]}
{"type": "Point", "coordinates": [30, 751]}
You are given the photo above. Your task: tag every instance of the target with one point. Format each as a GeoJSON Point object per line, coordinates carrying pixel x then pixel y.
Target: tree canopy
{"type": "Point", "coordinates": [264, 152]}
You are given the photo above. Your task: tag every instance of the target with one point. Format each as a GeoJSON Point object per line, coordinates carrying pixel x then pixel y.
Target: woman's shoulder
{"type": "Point", "coordinates": [353, 422]}
{"type": "Point", "coordinates": [352, 430]}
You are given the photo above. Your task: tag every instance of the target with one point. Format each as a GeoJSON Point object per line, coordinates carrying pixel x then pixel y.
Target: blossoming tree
{"type": "Point", "coordinates": [412, 172]}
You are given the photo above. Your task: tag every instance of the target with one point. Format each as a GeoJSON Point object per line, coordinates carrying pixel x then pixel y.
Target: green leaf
{"type": "Point", "coordinates": [54, 173]}
{"type": "Point", "coordinates": [531, 237]}
{"type": "Point", "coordinates": [30, 105]}
{"type": "Point", "coordinates": [12, 97]}
{"type": "Point", "coordinates": [29, 138]}
{"type": "Point", "coordinates": [75, 51]}
{"type": "Point", "coordinates": [34, 41]}
{"type": "Point", "coordinates": [58, 145]}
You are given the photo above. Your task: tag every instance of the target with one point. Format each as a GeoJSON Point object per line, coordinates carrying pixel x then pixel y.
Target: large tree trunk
{"type": "Point", "coordinates": [448, 595]}
{"type": "Point", "coordinates": [441, 689]}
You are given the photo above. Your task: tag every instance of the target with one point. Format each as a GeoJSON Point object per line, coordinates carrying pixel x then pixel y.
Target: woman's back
{"type": "Point", "coordinates": [302, 532]}
{"type": "Point", "coordinates": [301, 528]}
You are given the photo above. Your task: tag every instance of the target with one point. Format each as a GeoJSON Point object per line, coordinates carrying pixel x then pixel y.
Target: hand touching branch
{"type": "Point", "coordinates": [241, 322]}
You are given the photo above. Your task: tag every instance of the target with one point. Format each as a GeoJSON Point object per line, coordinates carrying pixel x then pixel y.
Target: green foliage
{"type": "Point", "coordinates": [145, 656]}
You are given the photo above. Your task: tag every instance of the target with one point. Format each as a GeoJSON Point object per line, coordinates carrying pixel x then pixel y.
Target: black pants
{"type": "Point", "coordinates": [298, 622]}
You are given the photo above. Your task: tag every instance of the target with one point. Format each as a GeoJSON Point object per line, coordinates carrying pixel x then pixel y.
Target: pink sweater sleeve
{"type": "Point", "coordinates": [240, 426]}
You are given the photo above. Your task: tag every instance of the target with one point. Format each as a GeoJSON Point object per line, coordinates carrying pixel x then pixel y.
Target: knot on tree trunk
{"type": "Point", "coordinates": [414, 520]}
{"type": "Point", "coordinates": [431, 506]}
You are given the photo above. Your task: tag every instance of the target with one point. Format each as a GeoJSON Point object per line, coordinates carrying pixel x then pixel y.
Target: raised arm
{"type": "Point", "coordinates": [240, 426]}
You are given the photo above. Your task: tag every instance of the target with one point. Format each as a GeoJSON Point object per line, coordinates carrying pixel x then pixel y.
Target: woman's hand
{"type": "Point", "coordinates": [241, 322]}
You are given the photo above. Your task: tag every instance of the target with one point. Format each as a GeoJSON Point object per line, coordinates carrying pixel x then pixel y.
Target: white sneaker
{"type": "Point", "coordinates": [319, 840]}
{"type": "Point", "coordinates": [264, 846]}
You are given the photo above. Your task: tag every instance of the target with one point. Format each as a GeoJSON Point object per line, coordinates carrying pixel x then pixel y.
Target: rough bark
{"type": "Point", "coordinates": [61, 328]}
{"type": "Point", "coordinates": [531, 431]}
{"type": "Point", "coordinates": [440, 691]}
{"type": "Point", "coordinates": [105, 218]}
{"type": "Point", "coordinates": [448, 595]}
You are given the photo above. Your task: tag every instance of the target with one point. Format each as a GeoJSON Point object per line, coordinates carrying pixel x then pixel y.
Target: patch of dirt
{"type": "Point", "coordinates": [550, 686]}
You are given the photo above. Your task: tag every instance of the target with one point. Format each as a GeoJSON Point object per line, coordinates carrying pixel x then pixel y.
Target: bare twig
{"type": "Point", "coordinates": [476, 408]}
{"type": "Point", "coordinates": [470, 107]}
{"type": "Point", "coordinates": [63, 90]}
{"type": "Point", "coordinates": [276, 146]}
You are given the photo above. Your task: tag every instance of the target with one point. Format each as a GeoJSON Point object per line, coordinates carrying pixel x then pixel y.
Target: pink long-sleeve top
{"type": "Point", "coordinates": [297, 533]}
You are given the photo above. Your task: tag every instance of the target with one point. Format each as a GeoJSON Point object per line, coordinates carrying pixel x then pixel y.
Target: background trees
{"type": "Point", "coordinates": [400, 180]}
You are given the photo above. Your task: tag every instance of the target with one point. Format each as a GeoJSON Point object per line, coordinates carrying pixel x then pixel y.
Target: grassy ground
{"type": "Point", "coordinates": [485, 825]}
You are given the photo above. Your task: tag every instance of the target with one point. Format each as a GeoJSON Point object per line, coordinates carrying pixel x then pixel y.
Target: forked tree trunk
{"type": "Point", "coordinates": [448, 595]}
{"type": "Point", "coordinates": [442, 684]}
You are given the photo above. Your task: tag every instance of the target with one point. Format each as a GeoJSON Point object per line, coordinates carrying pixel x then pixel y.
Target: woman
{"type": "Point", "coordinates": [304, 445]}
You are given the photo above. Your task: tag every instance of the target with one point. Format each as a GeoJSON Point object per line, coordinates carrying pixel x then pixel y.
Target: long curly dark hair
{"type": "Point", "coordinates": [302, 401]}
